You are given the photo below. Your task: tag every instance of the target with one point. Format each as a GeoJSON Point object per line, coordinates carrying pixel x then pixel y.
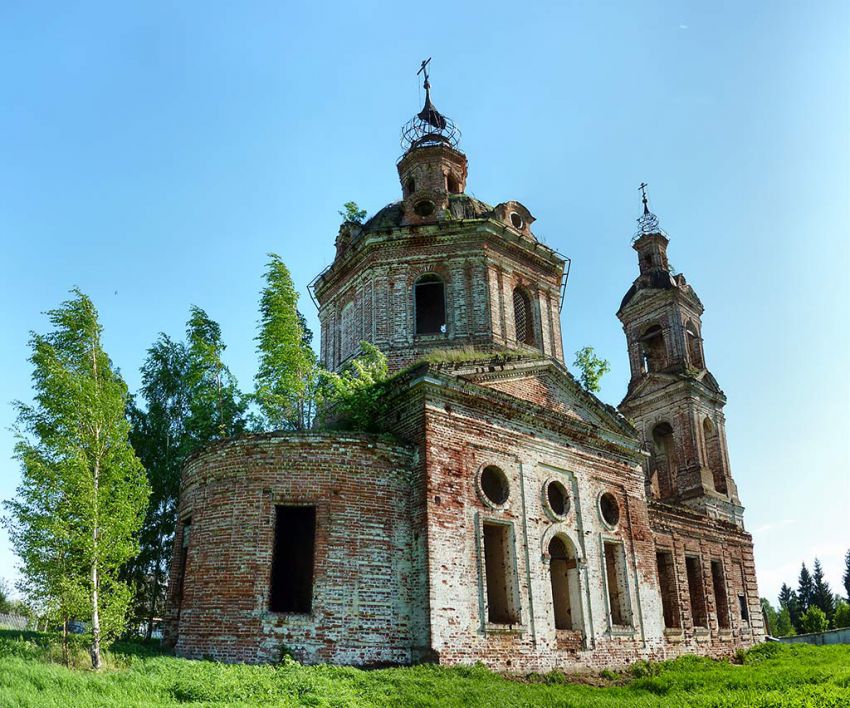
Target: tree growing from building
{"type": "Point", "coordinates": [83, 491]}
{"type": "Point", "coordinates": [352, 213]}
{"type": "Point", "coordinates": [353, 398]}
{"type": "Point", "coordinates": [591, 368]}
{"type": "Point", "coordinates": [285, 385]}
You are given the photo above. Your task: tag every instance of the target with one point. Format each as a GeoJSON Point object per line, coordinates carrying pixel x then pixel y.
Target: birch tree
{"type": "Point", "coordinates": [285, 385]}
{"type": "Point", "coordinates": [83, 492]}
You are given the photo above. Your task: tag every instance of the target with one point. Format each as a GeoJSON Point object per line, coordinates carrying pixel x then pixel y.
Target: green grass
{"type": "Point", "coordinates": [771, 675]}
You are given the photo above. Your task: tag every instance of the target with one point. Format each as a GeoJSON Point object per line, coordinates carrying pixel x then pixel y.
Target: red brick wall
{"type": "Point", "coordinates": [363, 569]}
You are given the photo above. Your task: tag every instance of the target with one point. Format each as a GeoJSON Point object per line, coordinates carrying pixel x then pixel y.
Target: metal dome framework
{"type": "Point", "coordinates": [429, 126]}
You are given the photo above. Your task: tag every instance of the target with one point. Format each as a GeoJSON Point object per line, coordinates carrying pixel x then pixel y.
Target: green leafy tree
{"type": "Point", "coordinates": [846, 577]}
{"type": "Point", "coordinates": [352, 213]}
{"type": "Point", "coordinates": [285, 385]}
{"type": "Point", "coordinates": [83, 491]}
{"type": "Point", "coordinates": [216, 408]}
{"type": "Point", "coordinates": [805, 589]}
{"type": "Point", "coordinates": [821, 592]}
{"type": "Point", "coordinates": [783, 626]}
{"type": "Point", "coordinates": [841, 618]}
{"type": "Point", "coordinates": [769, 615]}
{"type": "Point", "coordinates": [352, 399]}
{"type": "Point", "coordinates": [788, 600]}
{"type": "Point", "coordinates": [814, 620]}
{"type": "Point", "coordinates": [591, 368]}
{"type": "Point", "coordinates": [5, 596]}
{"type": "Point", "coordinates": [158, 433]}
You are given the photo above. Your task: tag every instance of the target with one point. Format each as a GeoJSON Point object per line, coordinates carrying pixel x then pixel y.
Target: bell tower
{"type": "Point", "coordinates": [672, 398]}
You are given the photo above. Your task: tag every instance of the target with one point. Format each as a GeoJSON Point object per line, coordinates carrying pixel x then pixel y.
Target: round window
{"type": "Point", "coordinates": [516, 220]}
{"type": "Point", "coordinates": [494, 485]}
{"type": "Point", "coordinates": [557, 498]}
{"type": "Point", "coordinates": [609, 508]}
{"type": "Point", "coordinates": [424, 208]}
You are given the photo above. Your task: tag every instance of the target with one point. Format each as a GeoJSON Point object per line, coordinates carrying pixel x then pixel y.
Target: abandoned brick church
{"type": "Point", "coordinates": [510, 517]}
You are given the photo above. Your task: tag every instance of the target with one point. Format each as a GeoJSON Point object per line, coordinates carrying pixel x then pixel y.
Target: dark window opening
{"type": "Point", "coordinates": [721, 603]}
{"type": "Point", "coordinates": [410, 186]}
{"type": "Point", "coordinates": [663, 462]}
{"type": "Point", "coordinates": [185, 534]}
{"type": "Point", "coordinates": [430, 301]}
{"type": "Point", "coordinates": [424, 208]}
{"type": "Point", "coordinates": [522, 317]}
{"type": "Point", "coordinates": [694, 347]}
{"type": "Point", "coordinates": [452, 185]}
{"type": "Point", "coordinates": [745, 611]}
{"type": "Point", "coordinates": [562, 575]}
{"type": "Point", "coordinates": [559, 500]}
{"type": "Point", "coordinates": [714, 455]}
{"type": "Point", "coordinates": [669, 594]}
{"type": "Point", "coordinates": [615, 571]}
{"type": "Point", "coordinates": [516, 220]}
{"type": "Point", "coordinates": [494, 484]}
{"type": "Point", "coordinates": [696, 591]}
{"type": "Point", "coordinates": [609, 508]}
{"type": "Point", "coordinates": [498, 565]}
{"type": "Point", "coordinates": [653, 349]}
{"type": "Point", "coordinates": [292, 564]}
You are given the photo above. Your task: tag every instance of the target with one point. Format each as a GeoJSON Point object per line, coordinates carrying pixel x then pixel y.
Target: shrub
{"type": "Point", "coordinates": [814, 620]}
{"type": "Point", "coordinates": [841, 618]}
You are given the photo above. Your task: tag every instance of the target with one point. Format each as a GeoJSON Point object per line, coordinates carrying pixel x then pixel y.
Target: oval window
{"type": "Point", "coordinates": [609, 508]}
{"type": "Point", "coordinates": [557, 498]}
{"type": "Point", "coordinates": [516, 220]}
{"type": "Point", "coordinates": [424, 208]}
{"type": "Point", "coordinates": [494, 485]}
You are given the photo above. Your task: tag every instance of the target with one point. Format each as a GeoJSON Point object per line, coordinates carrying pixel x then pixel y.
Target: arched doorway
{"type": "Point", "coordinates": [563, 572]}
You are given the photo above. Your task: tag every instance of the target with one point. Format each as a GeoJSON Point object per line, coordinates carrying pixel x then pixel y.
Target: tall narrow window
{"type": "Point", "coordinates": [347, 330]}
{"type": "Point", "coordinates": [409, 186]}
{"type": "Point", "coordinates": [430, 303]}
{"type": "Point", "coordinates": [721, 602]}
{"type": "Point", "coordinates": [561, 566]}
{"type": "Point", "coordinates": [664, 461]}
{"type": "Point", "coordinates": [615, 573]}
{"type": "Point", "coordinates": [498, 564]}
{"type": "Point", "coordinates": [694, 349]}
{"type": "Point", "coordinates": [184, 555]}
{"type": "Point", "coordinates": [452, 185]}
{"type": "Point", "coordinates": [523, 319]}
{"type": "Point", "coordinates": [714, 455]}
{"type": "Point", "coordinates": [742, 596]}
{"type": "Point", "coordinates": [696, 591]}
{"type": "Point", "coordinates": [669, 593]}
{"type": "Point", "coordinates": [292, 563]}
{"type": "Point", "coordinates": [654, 349]}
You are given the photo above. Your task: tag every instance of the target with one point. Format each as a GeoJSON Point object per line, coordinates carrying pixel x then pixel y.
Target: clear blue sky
{"type": "Point", "coordinates": [153, 153]}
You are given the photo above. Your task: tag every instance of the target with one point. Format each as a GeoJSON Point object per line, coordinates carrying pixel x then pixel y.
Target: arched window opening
{"type": "Point", "coordinates": [563, 575]}
{"type": "Point", "coordinates": [663, 462]}
{"type": "Point", "coordinates": [523, 320]}
{"type": "Point", "coordinates": [653, 351]}
{"type": "Point", "coordinates": [409, 186]}
{"type": "Point", "coordinates": [714, 455]}
{"type": "Point", "coordinates": [430, 302]}
{"type": "Point", "coordinates": [694, 348]}
{"type": "Point", "coordinates": [452, 185]}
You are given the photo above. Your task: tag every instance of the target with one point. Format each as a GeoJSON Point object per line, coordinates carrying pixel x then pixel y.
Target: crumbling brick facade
{"type": "Point", "coordinates": [517, 520]}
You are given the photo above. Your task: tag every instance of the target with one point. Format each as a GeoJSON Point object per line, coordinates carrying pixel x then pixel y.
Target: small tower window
{"type": "Point", "coordinates": [409, 186]}
{"type": "Point", "coordinates": [653, 349]}
{"type": "Point", "coordinates": [522, 317]}
{"type": "Point", "coordinates": [424, 208]}
{"type": "Point", "coordinates": [430, 302]}
{"type": "Point", "coordinates": [516, 220]}
{"type": "Point", "coordinates": [713, 455]}
{"type": "Point", "coordinates": [452, 185]}
{"type": "Point", "coordinates": [663, 458]}
{"type": "Point", "coordinates": [694, 349]}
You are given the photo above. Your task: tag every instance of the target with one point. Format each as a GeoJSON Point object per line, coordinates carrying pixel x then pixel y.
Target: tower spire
{"type": "Point", "coordinates": [647, 222]}
{"type": "Point", "coordinates": [429, 126]}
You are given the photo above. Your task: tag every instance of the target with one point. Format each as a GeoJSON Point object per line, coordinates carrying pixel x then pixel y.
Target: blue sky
{"type": "Point", "coordinates": [153, 153]}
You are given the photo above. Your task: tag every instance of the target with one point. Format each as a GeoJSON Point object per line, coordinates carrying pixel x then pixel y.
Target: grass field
{"type": "Point", "coordinates": [770, 675]}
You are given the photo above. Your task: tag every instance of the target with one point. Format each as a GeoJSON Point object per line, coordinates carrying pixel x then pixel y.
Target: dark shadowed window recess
{"type": "Point", "coordinates": [696, 592]}
{"type": "Point", "coordinates": [654, 350]}
{"type": "Point", "coordinates": [669, 592]}
{"type": "Point", "coordinates": [292, 564]}
{"type": "Point", "coordinates": [721, 602]}
{"type": "Point", "coordinates": [522, 317]}
{"type": "Point", "coordinates": [498, 565]}
{"type": "Point", "coordinates": [430, 301]}
{"type": "Point", "coordinates": [184, 555]}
